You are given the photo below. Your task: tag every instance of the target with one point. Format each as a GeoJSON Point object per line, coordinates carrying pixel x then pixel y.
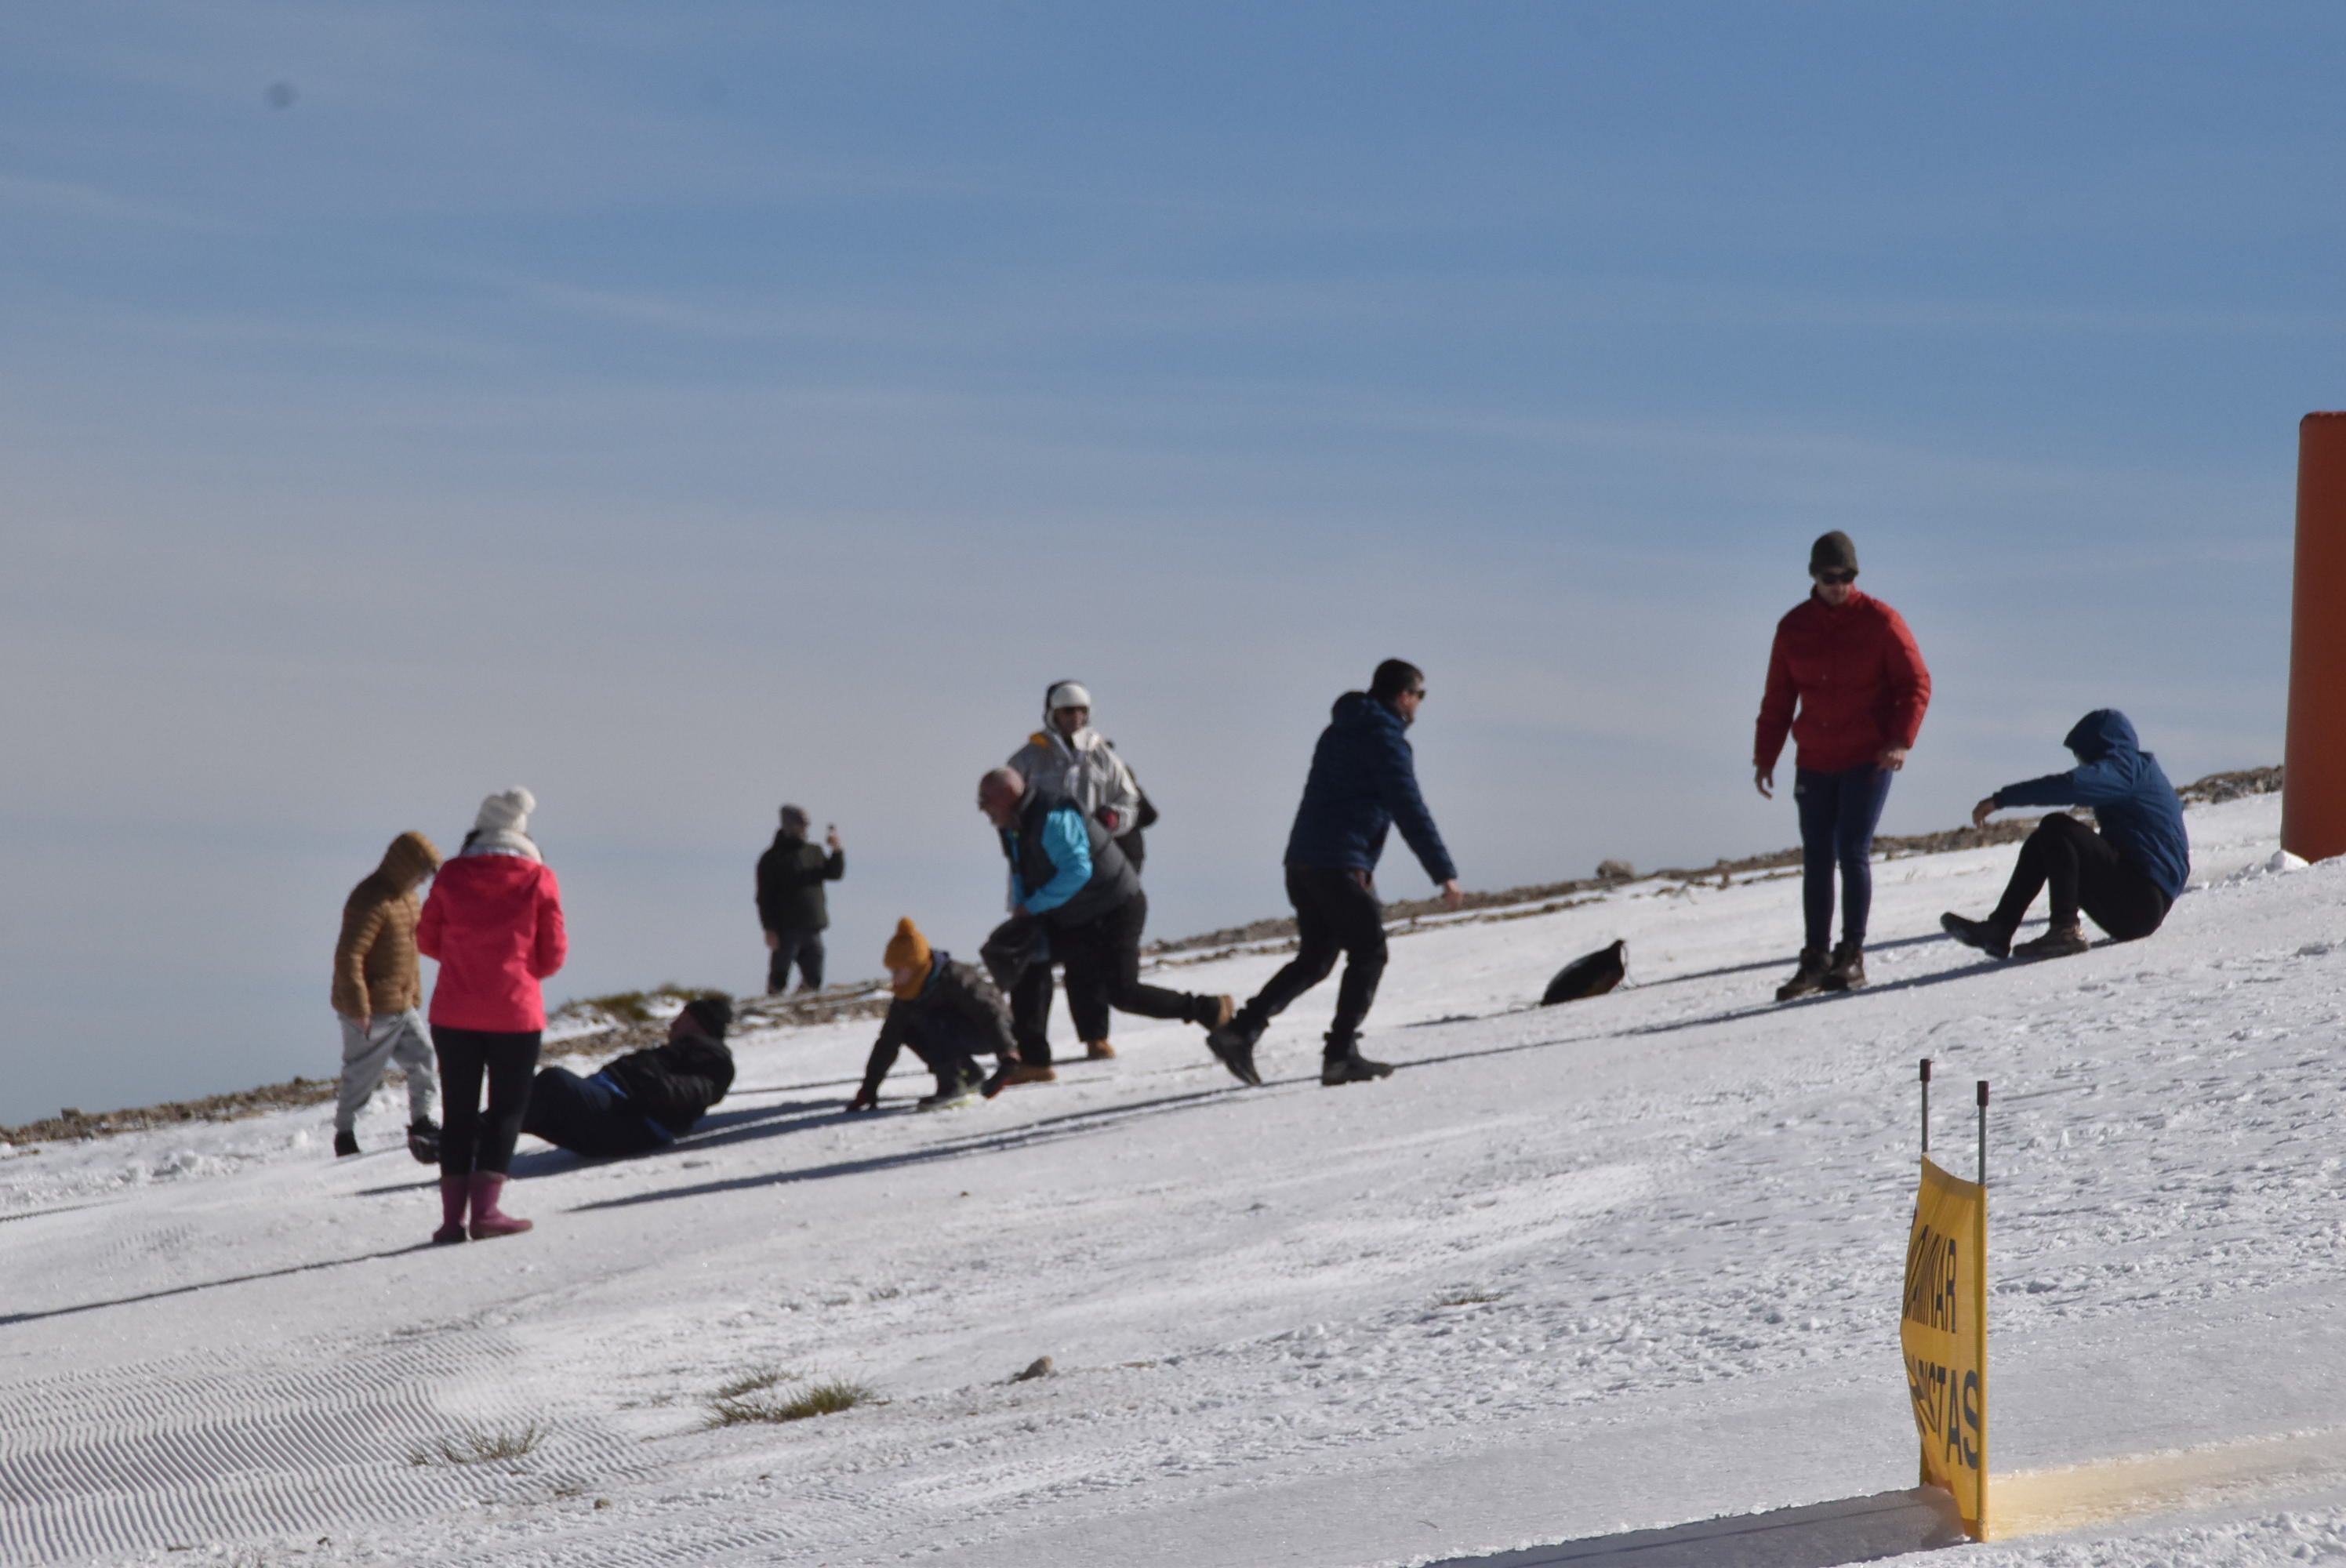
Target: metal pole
{"type": "Point", "coordinates": [1983, 1114]}
{"type": "Point", "coordinates": [1926, 1105]}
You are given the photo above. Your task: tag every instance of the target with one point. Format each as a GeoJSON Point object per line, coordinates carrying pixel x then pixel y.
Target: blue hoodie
{"type": "Point", "coordinates": [1363, 779]}
{"type": "Point", "coordinates": [2133, 801]}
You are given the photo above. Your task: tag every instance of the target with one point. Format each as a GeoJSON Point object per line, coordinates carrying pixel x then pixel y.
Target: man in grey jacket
{"type": "Point", "coordinates": [1069, 759]}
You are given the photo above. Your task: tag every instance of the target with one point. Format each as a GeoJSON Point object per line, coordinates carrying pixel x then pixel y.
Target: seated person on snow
{"type": "Point", "coordinates": [946, 1012]}
{"type": "Point", "coordinates": [2126, 876]}
{"type": "Point", "coordinates": [644, 1100]}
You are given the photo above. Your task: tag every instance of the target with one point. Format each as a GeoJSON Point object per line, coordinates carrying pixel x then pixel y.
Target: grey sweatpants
{"type": "Point", "coordinates": [399, 1038]}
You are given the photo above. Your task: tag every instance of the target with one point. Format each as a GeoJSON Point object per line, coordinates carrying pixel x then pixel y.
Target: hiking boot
{"type": "Point", "coordinates": [1985, 935]}
{"type": "Point", "coordinates": [2061, 942]}
{"type": "Point", "coordinates": [345, 1144]}
{"type": "Point", "coordinates": [1018, 1073]}
{"type": "Point", "coordinates": [1807, 979]}
{"type": "Point", "coordinates": [1232, 1044]}
{"type": "Point", "coordinates": [1352, 1068]}
{"type": "Point", "coordinates": [1098, 1051]}
{"type": "Point", "coordinates": [1847, 970]}
{"type": "Point", "coordinates": [423, 1140]}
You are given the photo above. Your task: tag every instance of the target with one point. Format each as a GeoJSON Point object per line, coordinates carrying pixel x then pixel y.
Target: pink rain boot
{"type": "Point", "coordinates": [487, 1219]}
{"type": "Point", "coordinates": [454, 1193]}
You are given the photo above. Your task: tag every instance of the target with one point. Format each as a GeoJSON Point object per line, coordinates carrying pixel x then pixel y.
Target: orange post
{"type": "Point", "coordinates": [2314, 774]}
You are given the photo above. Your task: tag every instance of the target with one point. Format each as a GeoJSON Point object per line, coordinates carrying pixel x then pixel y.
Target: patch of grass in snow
{"type": "Point", "coordinates": [479, 1445]}
{"type": "Point", "coordinates": [653, 1006]}
{"type": "Point", "coordinates": [751, 1398]}
{"type": "Point", "coordinates": [1469, 1298]}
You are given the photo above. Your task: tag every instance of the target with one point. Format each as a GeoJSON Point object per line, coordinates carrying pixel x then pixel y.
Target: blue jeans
{"type": "Point", "coordinates": [1838, 814]}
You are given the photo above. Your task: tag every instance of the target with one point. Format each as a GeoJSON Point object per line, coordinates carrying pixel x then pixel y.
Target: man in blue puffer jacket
{"type": "Point", "coordinates": [2126, 876]}
{"type": "Point", "coordinates": [1364, 782]}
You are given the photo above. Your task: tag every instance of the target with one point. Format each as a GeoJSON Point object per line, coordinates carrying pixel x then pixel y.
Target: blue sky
{"type": "Point", "coordinates": [683, 409]}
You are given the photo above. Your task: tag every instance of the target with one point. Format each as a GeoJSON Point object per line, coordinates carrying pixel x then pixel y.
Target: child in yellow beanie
{"type": "Point", "coordinates": [946, 1012]}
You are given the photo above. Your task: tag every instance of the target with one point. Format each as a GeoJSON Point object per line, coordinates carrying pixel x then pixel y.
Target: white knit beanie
{"type": "Point", "coordinates": [507, 811]}
{"type": "Point", "coordinates": [1067, 693]}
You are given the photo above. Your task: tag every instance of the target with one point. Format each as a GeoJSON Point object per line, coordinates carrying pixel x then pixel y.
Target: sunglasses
{"type": "Point", "coordinates": [1836, 578]}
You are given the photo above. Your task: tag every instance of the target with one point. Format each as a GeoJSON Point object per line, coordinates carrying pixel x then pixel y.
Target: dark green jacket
{"type": "Point", "coordinates": [790, 884]}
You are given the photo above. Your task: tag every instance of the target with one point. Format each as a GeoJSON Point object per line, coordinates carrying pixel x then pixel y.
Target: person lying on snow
{"type": "Point", "coordinates": [2126, 876]}
{"type": "Point", "coordinates": [644, 1100]}
{"type": "Point", "coordinates": [947, 1012]}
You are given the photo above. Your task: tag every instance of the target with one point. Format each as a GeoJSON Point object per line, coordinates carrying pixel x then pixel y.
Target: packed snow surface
{"type": "Point", "coordinates": [1619, 1264]}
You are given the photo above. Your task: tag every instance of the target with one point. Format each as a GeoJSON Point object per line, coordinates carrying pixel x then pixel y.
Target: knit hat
{"type": "Point", "coordinates": [796, 820]}
{"type": "Point", "coordinates": [506, 811]}
{"type": "Point", "coordinates": [714, 1013]}
{"type": "Point", "coordinates": [908, 949]}
{"type": "Point", "coordinates": [1832, 553]}
{"type": "Point", "coordinates": [1066, 694]}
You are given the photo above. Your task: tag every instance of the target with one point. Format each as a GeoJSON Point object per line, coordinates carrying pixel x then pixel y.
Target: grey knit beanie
{"type": "Point", "coordinates": [1832, 553]}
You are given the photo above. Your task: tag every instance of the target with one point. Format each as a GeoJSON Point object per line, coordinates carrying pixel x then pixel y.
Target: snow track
{"type": "Point", "coordinates": [226, 1445]}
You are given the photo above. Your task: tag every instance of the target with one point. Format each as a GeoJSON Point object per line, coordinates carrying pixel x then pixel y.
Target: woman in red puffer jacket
{"type": "Point", "coordinates": [1852, 668]}
{"type": "Point", "coordinates": [495, 922]}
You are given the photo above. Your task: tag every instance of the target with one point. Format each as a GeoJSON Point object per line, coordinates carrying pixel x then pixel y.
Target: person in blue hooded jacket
{"type": "Point", "coordinates": [2127, 876]}
{"type": "Point", "coordinates": [1364, 782]}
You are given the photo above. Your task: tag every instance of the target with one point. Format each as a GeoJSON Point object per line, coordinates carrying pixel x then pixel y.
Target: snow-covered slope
{"type": "Point", "coordinates": [1624, 1263]}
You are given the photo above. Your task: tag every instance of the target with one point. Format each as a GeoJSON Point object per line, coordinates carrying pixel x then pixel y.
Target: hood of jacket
{"type": "Point", "coordinates": [411, 857]}
{"type": "Point", "coordinates": [1358, 711]}
{"type": "Point", "coordinates": [2104, 732]}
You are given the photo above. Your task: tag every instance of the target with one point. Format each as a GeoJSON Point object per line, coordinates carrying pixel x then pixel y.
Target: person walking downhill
{"type": "Point", "coordinates": [1070, 759]}
{"type": "Point", "coordinates": [790, 902]}
{"type": "Point", "coordinates": [1849, 665]}
{"type": "Point", "coordinates": [379, 993]}
{"type": "Point", "coordinates": [1071, 889]}
{"type": "Point", "coordinates": [1364, 782]}
{"type": "Point", "coordinates": [495, 922]}
{"type": "Point", "coordinates": [2127, 876]}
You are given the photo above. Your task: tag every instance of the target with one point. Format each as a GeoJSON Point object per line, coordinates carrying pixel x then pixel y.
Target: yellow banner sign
{"type": "Point", "coordinates": [1943, 1332]}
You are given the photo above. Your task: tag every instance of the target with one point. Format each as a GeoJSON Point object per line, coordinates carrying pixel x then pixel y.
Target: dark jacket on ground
{"type": "Point", "coordinates": [674, 1084]}
{"type": "Point", "coordinates": [958, 998]}
{"type": "Point", "coordinates": [2137, 809]}
{"type": "Point", "coordinates": [790, 884]}
{"type": "Point", "coordinates": [1363, 781]}
{"type": "Point", "coordinates": [1066, 869]}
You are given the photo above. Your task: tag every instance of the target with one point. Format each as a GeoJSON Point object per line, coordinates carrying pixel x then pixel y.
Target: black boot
{"type": "Point", "coordinates": [1350, 1067]}
{"type": "Point", "coordinates": [1983, 934]}
{"type": "Point", "coordinates": [2059, 942]}
{"type": "Point", "coordinates": [1233, 1045]}
{"type": "Point", "coordinates": [1847, 971]}
{"type": "Point", "coordinates": [345, 1144]}
{"type": "Point", "coordinates": [1807, 979]}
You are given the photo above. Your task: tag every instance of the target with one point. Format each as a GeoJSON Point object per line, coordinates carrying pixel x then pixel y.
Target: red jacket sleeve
{"type": "Point", "coordinates": [1775, 706]}
{"type": "Point", "coordinates": [553, 945]}
{"type": "Point", "coordinates": [1910, 681]}
{"type": "Point", "coordinates": [427, 926]}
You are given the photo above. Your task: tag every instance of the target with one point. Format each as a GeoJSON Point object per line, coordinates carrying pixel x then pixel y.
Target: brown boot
{"type": "Point", "coordinates": [1807, 979]}
{"type": "Point", "coordinates": [2061, 942]}
{"type": "Point", "coordinates": [1847, 970]}
{"type": "Point", "coordinates": [1025, 1072]}
{"type": "Point", "coordinates": [1098, 1051]}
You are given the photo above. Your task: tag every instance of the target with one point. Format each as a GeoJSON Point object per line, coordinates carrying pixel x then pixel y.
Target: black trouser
{"type": "Point", "coordinates": [588, 1116]}
{"type": "Point", "coordinates": [472, 1139]}
{"type": "Point", "coordinates": [802, 947]}
{"type": "Point", "coordinates": [1837, 815]}
{"type": "Point", "coordinates": [947, 1044]}
{"type": "Point", "coordinates": [1336, 912]}
{"type": "Point", "coordinates": [2085, 871]}
{"type": "Point", "coordinates": [1102, 955]}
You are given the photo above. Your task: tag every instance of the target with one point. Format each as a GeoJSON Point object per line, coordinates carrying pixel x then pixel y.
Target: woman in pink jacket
{"type": "Point", "coordinates": [495, 922]}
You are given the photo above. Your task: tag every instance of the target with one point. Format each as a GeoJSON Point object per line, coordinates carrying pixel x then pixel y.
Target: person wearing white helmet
{"type": "Point", "coordinates": [1070, 760]}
